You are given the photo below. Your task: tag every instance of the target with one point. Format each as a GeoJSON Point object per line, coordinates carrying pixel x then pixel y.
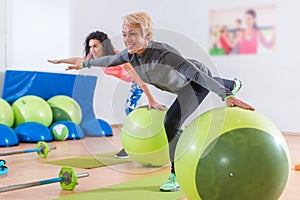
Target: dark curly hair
{"type": "Point", "coordinates": [253, 14]}
{"type": "Point", "coordinates": [108, 48]}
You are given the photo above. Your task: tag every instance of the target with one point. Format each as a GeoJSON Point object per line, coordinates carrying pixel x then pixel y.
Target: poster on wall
{"type": "Point", "coordinates": [240, 31]}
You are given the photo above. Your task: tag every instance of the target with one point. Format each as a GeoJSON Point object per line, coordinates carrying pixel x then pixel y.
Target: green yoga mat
{"type": "Point", "coordinates": [146, 188]}
{"type": "Point", "coordinates": [89, 162]}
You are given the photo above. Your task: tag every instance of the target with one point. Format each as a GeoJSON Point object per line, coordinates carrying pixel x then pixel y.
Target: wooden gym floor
{"type": "Point", "coordinates": [24, 168]}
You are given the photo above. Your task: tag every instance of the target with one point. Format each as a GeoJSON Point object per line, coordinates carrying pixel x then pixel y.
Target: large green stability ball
{"type": "Point", "coordinates": [232, 154]}
{"type": "Point", "coordinates": [32, 108]}
{"type": "Point", "coordinates": [65, 108]}
{"type": "Point", "coordinates": [143, 137]}
{"type": "Point", "coordinates": [6, 113]}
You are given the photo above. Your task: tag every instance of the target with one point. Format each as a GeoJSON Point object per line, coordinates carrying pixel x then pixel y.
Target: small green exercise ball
{"type": "Point", "coordinates": [6, 113]}
{"type": "Point", "coordinates": [32, 108]}
{"type": "Point", "coordinates": [60, 132]}
{"type": "Point", "coordinates": [143, 137]}
{"type": "Point", "coordinates": [65, 108]}
{"type": "Point", "coordinates": [232, 154]}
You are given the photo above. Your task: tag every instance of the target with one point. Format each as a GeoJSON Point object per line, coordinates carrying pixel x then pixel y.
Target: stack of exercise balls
{"type": "Point", "coordinates": [33, 118]}
{"type": "Point", "coordinates": [232, 153]}
{"type": "Point", "coordinates": [143, 137]}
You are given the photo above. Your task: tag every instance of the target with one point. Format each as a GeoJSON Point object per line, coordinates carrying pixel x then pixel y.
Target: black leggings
{"type": "Point", "coordinates": [187, 101]}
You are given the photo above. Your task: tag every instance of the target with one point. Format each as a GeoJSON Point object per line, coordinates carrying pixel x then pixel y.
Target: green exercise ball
{"type": "Point", "coordinates": [6, 113]}
{"type": "Point", "coordinates": [143, 137]}
{"type": "Point", "coordinates": [232, 154]}
{"type": "Point", "coordinates": [60, 132]}
{"type": "Point", "coordinates": [32, 108]}
{"type": "Point", "coordinates": [65, 108]}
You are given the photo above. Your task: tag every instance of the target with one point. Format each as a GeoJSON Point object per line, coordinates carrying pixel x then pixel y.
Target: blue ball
{"type": "Point", "coordinates": [96, 127]}
{"type": "Point", "coordinates": [33, 132]}
{"type": "Point", "coordinates": [8, 137]}
{"type": "Point", "coordinates": [105, 128]}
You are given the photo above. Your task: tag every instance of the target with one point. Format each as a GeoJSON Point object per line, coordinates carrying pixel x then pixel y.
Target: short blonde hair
{"type": "Point", "coordinates": [142, 19]}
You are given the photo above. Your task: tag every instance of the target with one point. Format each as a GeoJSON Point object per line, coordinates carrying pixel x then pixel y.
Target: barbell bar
{"type": "Point", "coordinates": [42, 149]}
{"type": "Point", "coordinates": [67, 179]}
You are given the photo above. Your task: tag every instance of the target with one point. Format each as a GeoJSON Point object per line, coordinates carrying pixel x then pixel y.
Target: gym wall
{"type": "Point", "coordinates": [41, 30]}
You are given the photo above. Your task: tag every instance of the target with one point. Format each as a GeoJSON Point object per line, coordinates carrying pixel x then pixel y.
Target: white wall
{"type": "Point", "coordinates": [38, 30]}
{"type": "Point", "coordinates": [2, 34]}
{"type": "Point", "coordinates": [2, 42]}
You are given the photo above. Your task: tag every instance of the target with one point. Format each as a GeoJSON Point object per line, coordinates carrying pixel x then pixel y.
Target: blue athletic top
{"type": "Point", "coordinates": [164, 67]}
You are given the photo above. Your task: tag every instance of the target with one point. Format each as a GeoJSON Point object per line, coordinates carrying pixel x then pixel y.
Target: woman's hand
{"type": "Point", "coordinates": [232, 101]}
{"type": "Point", "coordinates": [76, 65]}
{"type": "Point", "coordinates": [54, 61]}
{"type": "Point", "coordinates": [155, 105]}
{"type": "Point", "coordinates": [75, 62]}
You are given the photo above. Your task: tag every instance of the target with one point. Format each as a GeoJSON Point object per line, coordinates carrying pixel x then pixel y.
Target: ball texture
{"type": "Point", "coordinates": [32, 108]}
{"type": "Point", "coordinates": [143, 137]}
{"type": "Point", "coordinates": [232, 153]}
{"type": "Point", "coordinates": [6, 113]}
{"type": "Point", "coordinates": [65, 108]}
